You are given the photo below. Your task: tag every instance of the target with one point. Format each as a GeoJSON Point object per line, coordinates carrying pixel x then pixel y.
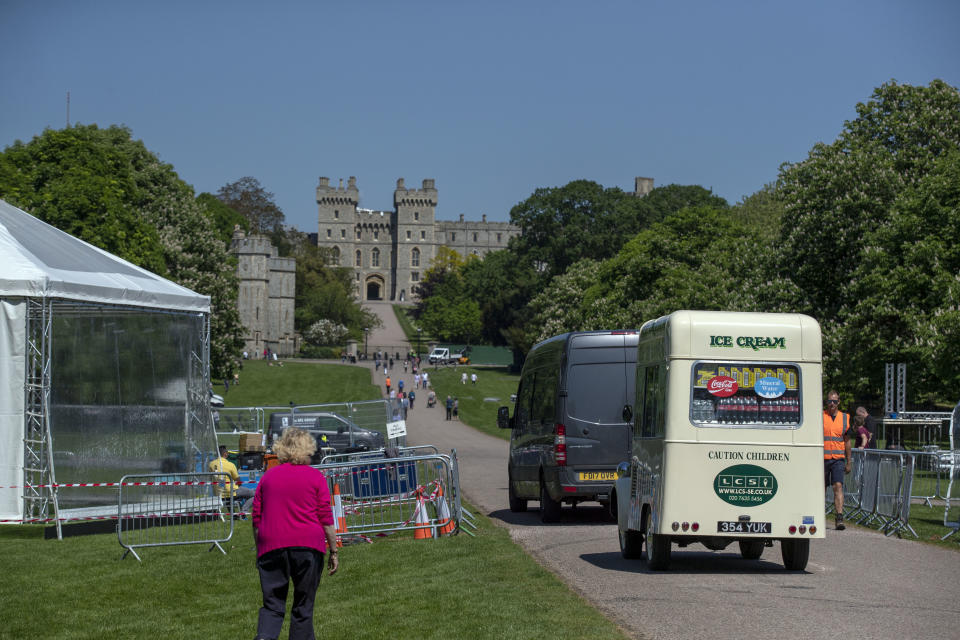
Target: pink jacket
{"type": "Point", "coordinates": [290, 508]}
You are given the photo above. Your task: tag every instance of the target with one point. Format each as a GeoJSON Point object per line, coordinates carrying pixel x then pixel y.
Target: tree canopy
{"type": "Point", "coordinates": [248, 197]}
{"type": "Point", "coordinates": [845, 206]}
{"type": "Point", "coordinates": [109, 190]}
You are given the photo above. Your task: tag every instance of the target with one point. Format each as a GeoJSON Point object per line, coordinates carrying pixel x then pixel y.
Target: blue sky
{"type": "Point", "coordinates": [491, 99]}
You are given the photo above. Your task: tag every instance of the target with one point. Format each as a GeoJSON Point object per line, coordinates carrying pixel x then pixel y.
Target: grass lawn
{"type": "Point", "coordinates": [478, 403]}
{"type": "Point", "coordinates": [300, 382]}
{"type": "Point", "coordinates": [397, 587]}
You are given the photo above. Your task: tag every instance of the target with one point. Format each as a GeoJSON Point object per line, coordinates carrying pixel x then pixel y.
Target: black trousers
{"type": "Point", "coordinates": [277, 568]}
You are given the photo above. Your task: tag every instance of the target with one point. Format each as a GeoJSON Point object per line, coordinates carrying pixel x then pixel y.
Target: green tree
{"type": "Point", "coordinates": [224, 218]}
{"type": "Point", "coordinates": [248, 197]}
{"type": "Point", "coordinates": [325, 293]}
{"type": "Point", "coordinates": [697, 258]}
{"type": "Point", "coordinates": [86, 181]}
{"type": "Point", "coordinates": [905, 292]}
{"type": "Point", "coordinates": [108, 189]}
{"type": "Point", "coordinates": [843, 195]}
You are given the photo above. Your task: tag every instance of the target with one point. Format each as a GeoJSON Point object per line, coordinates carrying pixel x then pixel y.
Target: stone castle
{"type": "Point", "coordinates": [266, 295]}
{"type": "Point", "coordinates": [390, 250]}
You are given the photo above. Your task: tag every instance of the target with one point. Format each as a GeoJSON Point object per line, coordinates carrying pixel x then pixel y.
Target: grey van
{"type": "Point", "coordinates": [329, 429]}
{"type": "Point", "coordinates": [571, 424]}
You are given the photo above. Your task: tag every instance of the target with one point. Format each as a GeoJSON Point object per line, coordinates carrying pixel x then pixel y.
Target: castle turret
{"type": "Point", "coordinates": [337, 217]}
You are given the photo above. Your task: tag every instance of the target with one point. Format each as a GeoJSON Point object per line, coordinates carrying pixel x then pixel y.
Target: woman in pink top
{"type": "Point", "coordinates": [292, 525]}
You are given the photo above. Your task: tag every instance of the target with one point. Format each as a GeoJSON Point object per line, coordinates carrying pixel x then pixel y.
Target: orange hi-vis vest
{"type": "Point", "coordinates": [834, 431]}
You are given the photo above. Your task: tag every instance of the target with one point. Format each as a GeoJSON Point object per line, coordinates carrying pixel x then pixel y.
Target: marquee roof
{"type": "Point", "coordinates": [38, 260]}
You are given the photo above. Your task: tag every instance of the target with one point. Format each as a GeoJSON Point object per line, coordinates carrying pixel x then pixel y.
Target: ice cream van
{"type": "Point", "coordinates": [727, 441]}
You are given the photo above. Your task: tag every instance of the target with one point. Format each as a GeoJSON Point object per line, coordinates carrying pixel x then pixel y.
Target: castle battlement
{"type": "Point", "coordinates": [389, 251]}
{"type": "Point", "coordinates": [348, 195]}
{"type": "Point", "coordinates": [424, 197]}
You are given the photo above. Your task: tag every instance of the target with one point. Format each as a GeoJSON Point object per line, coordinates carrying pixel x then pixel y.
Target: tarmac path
{"type": "Point", "coordinates": [858, 583]}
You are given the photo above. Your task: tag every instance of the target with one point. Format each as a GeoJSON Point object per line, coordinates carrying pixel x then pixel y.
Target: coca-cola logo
{"type": "Point", "coordinates": [722, 386]}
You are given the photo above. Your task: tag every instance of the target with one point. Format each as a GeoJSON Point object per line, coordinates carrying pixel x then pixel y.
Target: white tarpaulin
{"type": "Point", "coordinates": [106, 352]}
{"type": "Point", "coordinates": [12, 345]}
{"type": "Point", "coordinates": [40, 261]}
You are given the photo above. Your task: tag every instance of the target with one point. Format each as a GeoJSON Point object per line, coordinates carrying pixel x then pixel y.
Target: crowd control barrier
{"type": "Point", "coordinates": [173, 509]}
{"type": "Point", "coordinates": [379, 496]}
{"type": "Point", "coordinates": [877, 491]}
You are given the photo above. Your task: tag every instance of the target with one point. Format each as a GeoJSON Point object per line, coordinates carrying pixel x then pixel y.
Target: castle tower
{"type": "Point", "coordinates": [337, 218]}
{"type": "Point", "coordinates": [415, 211]}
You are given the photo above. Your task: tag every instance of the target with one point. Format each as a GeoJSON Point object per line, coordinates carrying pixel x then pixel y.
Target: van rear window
{"type": "Point", "coordinates": [743, 394]}
{"type": "Point", "coordinates": [597, 392]}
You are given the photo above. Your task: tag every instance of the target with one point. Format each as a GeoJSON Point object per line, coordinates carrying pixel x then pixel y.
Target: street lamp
{"type": "Point", "coordinates": [419, 331]}
{"type": "Point", "coordinates": [365, 330]}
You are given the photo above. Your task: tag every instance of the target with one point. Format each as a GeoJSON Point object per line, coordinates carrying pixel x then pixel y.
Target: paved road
{"type": "Point", "coordinates": [858, 584]}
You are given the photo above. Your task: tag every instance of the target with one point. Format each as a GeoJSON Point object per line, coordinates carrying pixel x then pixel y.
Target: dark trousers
{"type": "Point", "coordinates": [277, 568]}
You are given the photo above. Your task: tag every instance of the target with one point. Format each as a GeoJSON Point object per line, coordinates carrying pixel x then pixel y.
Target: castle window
{"type": "Point", "coordinates": [415, 257]}
{"type": "Point", "coordinates": [416, 215]}
{"type": "Point", "coordinates": [375, 258]}
{"type": "Point", "coordinates": [343, 233]}
{"type": "Point", "coordinates": [453, 237]}
{"type": "Point", "coordinates": [359, 260]}
{"type": "Point", "coordinates": [376, 234]}
{"type": "Point", "coordinates": [336, 214]}
{"type": "Point", "coordinates": [328, 233]}
{"type": "Point", "coordinates": [336, 256]}
{"type": "Point", "coordinates": [474, 237]}
{"type": "Point", "coordinates": [415, 276]}
{"type": "Point", "coordinates": [408, 234]}
{"type": "Point", "coordinates": [498, 237]}
{"type": "Point", "coordinates": [358, 233]}
{"type": "Point", "coordinates": [423, 235]}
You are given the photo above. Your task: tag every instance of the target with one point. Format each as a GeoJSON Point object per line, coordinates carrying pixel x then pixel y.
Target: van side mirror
{"type": "Point", "coordinates": [503, 418]}
{"type": "Point", "coordinates": [627, 413]}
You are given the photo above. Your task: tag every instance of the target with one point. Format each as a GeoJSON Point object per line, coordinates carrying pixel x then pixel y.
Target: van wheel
{"type": "Point", "coordinates": [517, 505]}
{"type": "Point", "coordinates": [549, 508]}
{"type": "Point", "coordinates": [751, 549]}
{"type": "Point", "coordinates": [631, 544]}
{"type": "Point", "coordinates": [657, 548]}
{"type": "Point", "coordinates": [795, 554]}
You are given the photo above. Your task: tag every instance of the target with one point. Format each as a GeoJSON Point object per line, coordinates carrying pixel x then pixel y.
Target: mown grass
{"type": "Point", "coordinates": [298, 382]}
{"type": "Point", "coordinates": [397, 587]}
{"type": "Point", "coordinates": [477, 403]}
{"type": "Point", "coordinates": [410, 330]}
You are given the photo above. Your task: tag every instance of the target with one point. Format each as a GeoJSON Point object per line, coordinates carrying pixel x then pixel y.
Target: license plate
{"type": "Point", "coordinates": [587, 476]}
{"type": "Point", "coordinates": [732, 526]}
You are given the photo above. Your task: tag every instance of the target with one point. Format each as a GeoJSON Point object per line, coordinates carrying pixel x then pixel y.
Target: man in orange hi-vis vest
{"type": "Point", "coordinates": [836, 451]}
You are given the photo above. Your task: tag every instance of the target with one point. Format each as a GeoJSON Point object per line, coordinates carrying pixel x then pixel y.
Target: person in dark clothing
{"type": "Point", "coordinates": [449, 407]}
{"type": "Point", "coordinates": [871, 424]}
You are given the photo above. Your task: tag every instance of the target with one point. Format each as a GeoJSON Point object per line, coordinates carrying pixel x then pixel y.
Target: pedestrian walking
{"type": "Point", "coordinates": [463, 378]}
{"type": "Point", "coordinates": [836, 452]}
{"type": "Point", "coordinates": [426, 379]}
{"type": "Point", "coordinates": [473, 377]}
{"type": "Point", "coordinates": [449, 407]}
{"type": "Point", "coordinates": [413, 396]}
{"type": "Point", "coordinates": [293, 528]}
{"type": "Point", "coordinates": [388, 384]}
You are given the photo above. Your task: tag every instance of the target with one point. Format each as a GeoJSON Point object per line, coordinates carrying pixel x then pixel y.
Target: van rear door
{"type": "Point", "coordinates": [599, 381]}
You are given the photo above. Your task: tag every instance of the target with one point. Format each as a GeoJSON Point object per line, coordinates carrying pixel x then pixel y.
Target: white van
{"type": "Point", "coordinates": [727, 437]}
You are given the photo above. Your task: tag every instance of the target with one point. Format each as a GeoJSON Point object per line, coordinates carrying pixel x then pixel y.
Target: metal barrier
{"type": "Point", "coordinates": [877, 490]}
{"type": "Point", "coordinates": [387, 495]}
{"type": "Point", "coordinates": [952, 462]}
{"type": "Point", "coordinates": [343, 458]}
{"type": "Point", "coordinates": [173, 509]}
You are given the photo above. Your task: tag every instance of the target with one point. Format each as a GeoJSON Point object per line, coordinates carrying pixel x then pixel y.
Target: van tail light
{"type": "Point", "coordinates": [560, 444]}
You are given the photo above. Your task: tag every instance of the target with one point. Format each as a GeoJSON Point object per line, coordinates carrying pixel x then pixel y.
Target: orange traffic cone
{"type": "Point", "coordinates": [338, 514]}
{"type": "Point", "coordinates": [445, 523]}
{"type": "Point", "coordinates": [422, 529]}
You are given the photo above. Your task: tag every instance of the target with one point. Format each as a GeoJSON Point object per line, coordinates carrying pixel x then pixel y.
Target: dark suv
{"type": "Point", "coordinates": [329, 429]}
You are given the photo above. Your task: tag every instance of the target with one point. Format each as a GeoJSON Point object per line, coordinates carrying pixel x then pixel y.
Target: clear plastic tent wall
{"type": "Point", "coordinates": [120, 399]}
{"type": "Point", "coordinates": [104, 371]}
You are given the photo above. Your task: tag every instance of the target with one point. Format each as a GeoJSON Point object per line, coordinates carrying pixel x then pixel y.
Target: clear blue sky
{"type": "Point", "coordinates": [492, 99]}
